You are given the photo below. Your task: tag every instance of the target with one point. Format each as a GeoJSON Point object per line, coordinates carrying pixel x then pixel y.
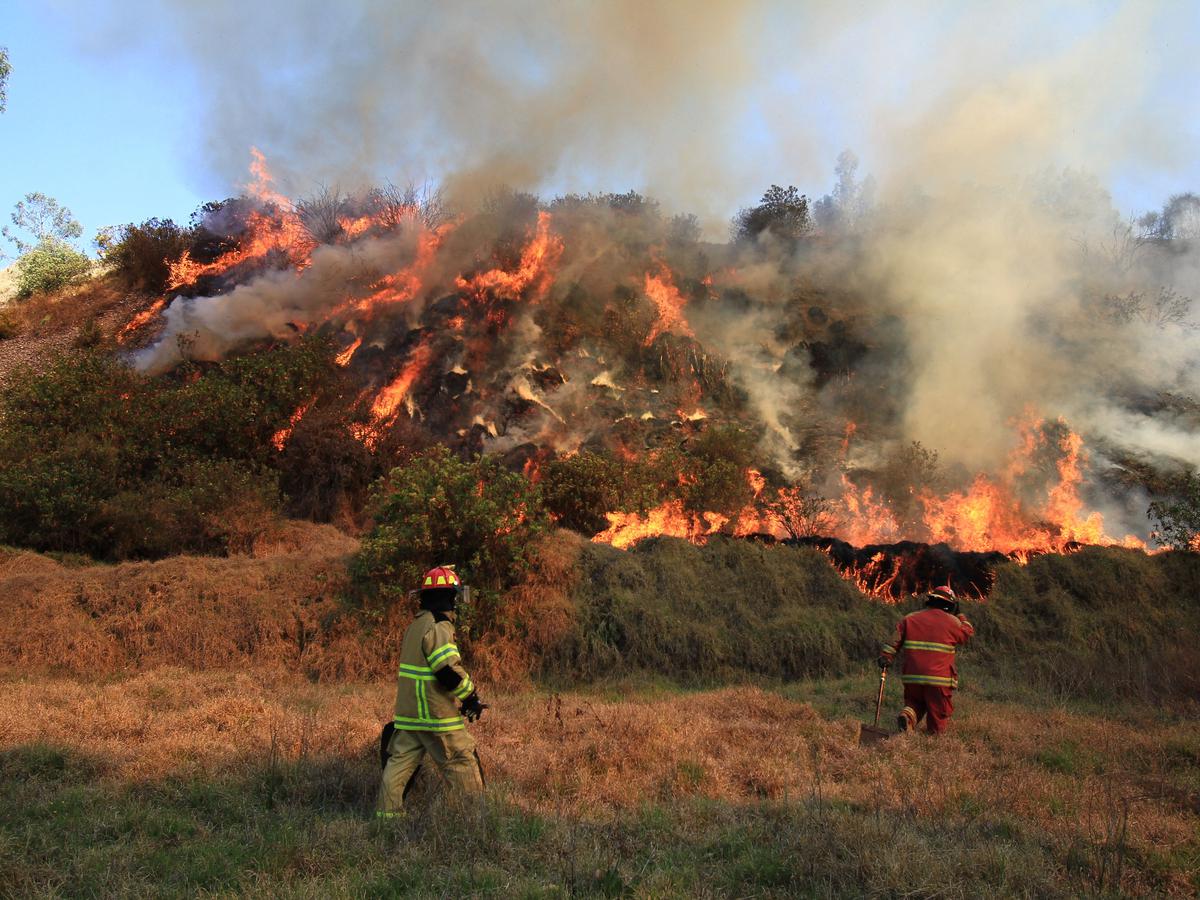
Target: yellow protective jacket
{"type": "Point", "coordinates": [431, 677]}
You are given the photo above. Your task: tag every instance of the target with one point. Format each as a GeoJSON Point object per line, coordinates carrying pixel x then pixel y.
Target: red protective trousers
{"type": "Point", "coordinates": [933, 703]}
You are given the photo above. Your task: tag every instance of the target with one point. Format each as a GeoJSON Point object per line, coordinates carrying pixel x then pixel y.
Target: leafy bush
{"type": "Point", "coordinates": [579, 490]}
{"type": "Point", "coordinates": [98, 459]}
{"type": "Point", "coordinates": [716, 466]}
{"type": "Point", "coordinates": [141, 254]}
{"type": "Point", "coordinates": [10, 325]}
{"type": "Point", "coordinates": [1177, 520]}
{"type": "Point", "coordinates": [52, 264]}
{"type": "Point", "coordinates": [325, 470]}
{"type": "Point", "coordinates": [782, 213]}
{"type": "Point", "coordinates": [438, 509]}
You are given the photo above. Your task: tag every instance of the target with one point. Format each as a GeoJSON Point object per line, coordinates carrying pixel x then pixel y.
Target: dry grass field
{"type": "Point", "coordinates": [203, 726]}
{"type": "Point", "coordinates": [142, 784]}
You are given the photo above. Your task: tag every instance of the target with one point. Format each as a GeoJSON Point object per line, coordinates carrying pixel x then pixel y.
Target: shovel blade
{"type": "Point", "coordinates": [872, 734]}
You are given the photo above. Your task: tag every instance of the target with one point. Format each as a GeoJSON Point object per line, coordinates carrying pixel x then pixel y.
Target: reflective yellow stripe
{"type": "Point", "coordinates": [405, 723]}
{"type": "Point", "coordinates": [463, 691]}
{"type": "Point", "coordinates": [417, 673]}
{"type": "Point", "coordinates": [442, 654]}
{"type": "Point", "coordinates": [937, 680]}
{"type": "Point", "coordinates": [422, 701]}
{"type": "Point", "coordinates": [928, 645]}
{"type": "Point", "coordinates": [887, 648]}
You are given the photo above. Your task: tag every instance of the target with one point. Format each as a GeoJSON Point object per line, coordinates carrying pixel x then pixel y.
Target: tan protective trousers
{"type": "Point", "coordinates": [453, 752]}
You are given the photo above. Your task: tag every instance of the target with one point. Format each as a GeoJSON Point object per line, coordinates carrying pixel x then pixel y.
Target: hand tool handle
{"type": "Point", "coordinates": [879, 699]}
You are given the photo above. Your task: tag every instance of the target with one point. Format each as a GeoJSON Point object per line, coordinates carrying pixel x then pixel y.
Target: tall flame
{"type": "Point", "coordinates": [535, 272]}
{"type": "Point", "coordinates": [669, 302]}
{"type": "Point", "coordinates": [389, 399]}
{"type": "Point", "coordinates": [275, 228]}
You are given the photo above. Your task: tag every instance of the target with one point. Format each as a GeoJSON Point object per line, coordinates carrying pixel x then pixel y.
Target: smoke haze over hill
{"type": "Point", "coordinates": [989, 268]}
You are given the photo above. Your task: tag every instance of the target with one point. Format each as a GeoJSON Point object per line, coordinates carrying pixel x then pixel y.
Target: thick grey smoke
{"type": "Point", "coordinates": [968, 114]}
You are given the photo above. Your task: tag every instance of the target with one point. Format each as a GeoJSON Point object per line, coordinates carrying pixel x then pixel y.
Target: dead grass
{"type": "Point", "coordinates": [278, 609]}
{"type": "Point", "coordinates": [46, 324]}
{"type": "Point", "coordinates": [1117, 800]}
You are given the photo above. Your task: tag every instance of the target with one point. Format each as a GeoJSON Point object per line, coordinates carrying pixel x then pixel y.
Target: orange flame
{"type": "Point", "coordinates": [279, 441]}
{"type": "Point", "coordinates": [343, 358]}
{"type": "Point", "coordinates": [669, 519]}
{"type": "Point", "coordinates": [402, 286]}
{"type": "Point", "coordinates": [390, 398]}
{"type": "Point", "coordinates": [867, 520]}
{"type": "Point", "coordinates": [136, 324]}
{"type": "Point", "coordinates": [662, 292]}
{"type": "Point", "coordinates": [274, 229]}
{"type": "Point", "coordinates": [353, 227]}
{"type": "Point", "coordinates": [535, 270]}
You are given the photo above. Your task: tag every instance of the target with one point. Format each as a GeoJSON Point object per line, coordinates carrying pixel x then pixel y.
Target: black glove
{"type": "Point", "coordinates": [884, 662]}
{"type": "Point", "coordinates": [472, 708]}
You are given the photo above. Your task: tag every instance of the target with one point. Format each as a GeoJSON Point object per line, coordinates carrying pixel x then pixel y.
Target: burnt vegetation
{"type": "Point", "coordinates": [591, 346]}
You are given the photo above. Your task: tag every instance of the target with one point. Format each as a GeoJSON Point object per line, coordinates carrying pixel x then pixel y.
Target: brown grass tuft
{"type": "Point", "coordinates": [279, 610]}
{"type": "Point", "coordinates": [537, 613]}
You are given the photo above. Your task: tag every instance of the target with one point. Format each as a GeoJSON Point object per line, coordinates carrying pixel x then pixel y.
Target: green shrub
{"type": "Point", "coordinates": [96, 458]}
{"type": "Point", "coordinates": [578, 490]}
{"type": "Point", "coordinates": [438, 509]}
{"type": "Point", "coordinates": [51, 265]}
{"type": "Point", "coordinates": [324, 469]}
{"type": "Point", "coordinates": [1177, 519]}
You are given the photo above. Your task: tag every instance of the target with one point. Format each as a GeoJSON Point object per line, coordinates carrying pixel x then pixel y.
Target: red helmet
{"type": "Point", "coordinates": [441, 577]}
{"type": "Point", "coordinates": [943, 598]}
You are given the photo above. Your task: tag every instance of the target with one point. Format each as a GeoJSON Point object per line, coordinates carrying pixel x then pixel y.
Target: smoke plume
{"type": "Point", "coordinates": [988, 266]}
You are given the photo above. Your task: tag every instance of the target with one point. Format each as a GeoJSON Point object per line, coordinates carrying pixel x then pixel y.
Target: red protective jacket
{"type": "Point", "coordinates": [929, 639]}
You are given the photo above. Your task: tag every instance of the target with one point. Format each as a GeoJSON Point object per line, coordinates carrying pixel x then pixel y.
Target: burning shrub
{"type": "Point", "coordinates": [439, 509]}
{"type": "Point", "coordinates": [718, 460]}
{"type": "Point", "coordinates": [236, 409]}
{"type": "Point", "coordinates": [141, 255]}
{"type": "Point", "coordinates": [908, 471]}
{"type": "Point", "coordinates": [801, 512]}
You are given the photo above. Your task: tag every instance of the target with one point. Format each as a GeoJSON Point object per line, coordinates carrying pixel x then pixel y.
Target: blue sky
{"type": "Point", "coordinates": [105, 134]}
{"type": "Point", "coordinates": [117, 127]}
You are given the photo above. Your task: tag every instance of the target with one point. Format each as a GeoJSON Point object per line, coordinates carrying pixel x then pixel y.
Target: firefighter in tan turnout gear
{"type": "Point", "coordinates": [431, 683]}
{"type": "Point", "coordinates": [930, 639]}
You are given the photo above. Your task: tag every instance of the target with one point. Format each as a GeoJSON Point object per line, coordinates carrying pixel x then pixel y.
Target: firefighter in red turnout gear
{"type": "Point", "coordinates": [930, 639]}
